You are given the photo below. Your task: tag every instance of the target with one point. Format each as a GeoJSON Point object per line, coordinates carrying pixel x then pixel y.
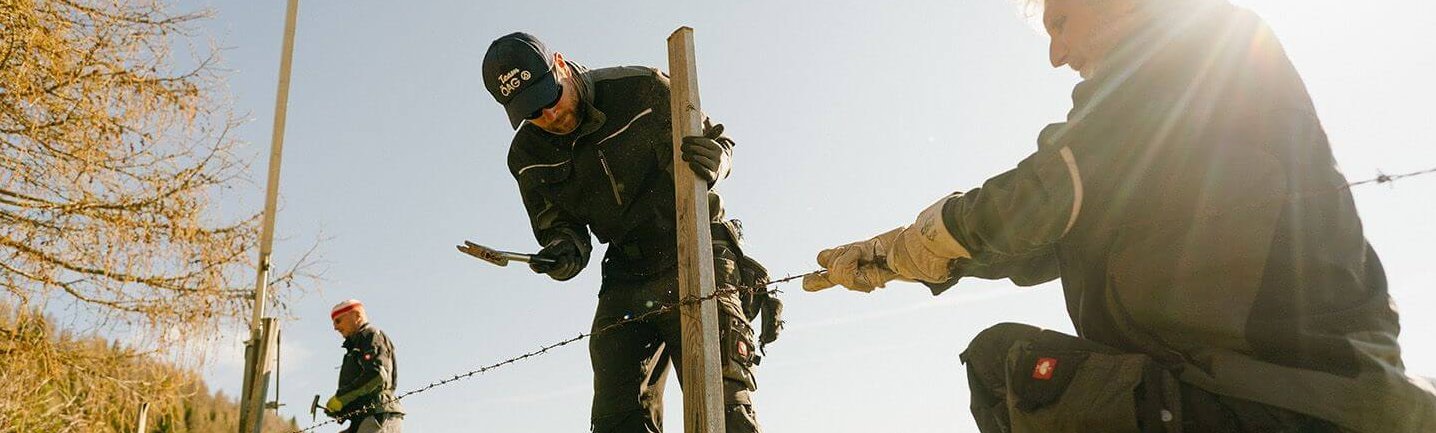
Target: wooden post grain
{"type": "Point", "coordinates": [702, 374]}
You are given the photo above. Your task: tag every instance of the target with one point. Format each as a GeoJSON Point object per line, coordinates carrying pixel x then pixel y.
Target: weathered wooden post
{"type": "Point", "coordinates": [702, 373]}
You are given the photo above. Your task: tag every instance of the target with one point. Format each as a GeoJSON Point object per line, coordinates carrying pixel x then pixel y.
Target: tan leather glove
{"type": "Point", "coordinates": [858, 266]}
{"type": "Point", "coordinates": [923, 250]}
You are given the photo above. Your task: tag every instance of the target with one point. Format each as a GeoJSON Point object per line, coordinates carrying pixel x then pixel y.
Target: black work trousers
{"type": "Point", "coordinates": [1025, 379]}
{"type": "Point", "coordinates": [630, 361]}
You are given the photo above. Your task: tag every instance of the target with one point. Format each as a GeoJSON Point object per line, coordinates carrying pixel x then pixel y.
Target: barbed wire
{"type": "Point", "coordinates": [1385, 178]}
{"type": "Point", "coordinates": [1208, 213]}
{"type": "Point", "coordinates": [663, 308]}
{"type": "Point", "coordinates": [1381, 178]}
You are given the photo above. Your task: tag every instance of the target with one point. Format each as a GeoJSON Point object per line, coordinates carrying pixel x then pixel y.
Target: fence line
{"type": "Point", "coordinates": [1381, 178]}
{"type": "Point", "coordinates": [665, 308]}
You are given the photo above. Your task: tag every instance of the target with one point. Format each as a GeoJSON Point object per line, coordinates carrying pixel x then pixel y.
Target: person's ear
{"type": "Point", "coordinates": [559, 64]}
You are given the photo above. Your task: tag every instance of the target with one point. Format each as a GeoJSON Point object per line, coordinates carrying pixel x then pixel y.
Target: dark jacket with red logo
{"type": "Point", "coordinates": [369, 375]}
{"type": "Point", "coordinates": [611, 176]}
{"type": "Point", "coordinates": [1193, 210]}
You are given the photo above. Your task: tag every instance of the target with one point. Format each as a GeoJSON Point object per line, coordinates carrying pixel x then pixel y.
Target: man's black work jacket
{"type": "Point", "coordinates": [610, 176]}
{"type": "Point", "coordinates": [369, 375]}
{"type": "Point", "coordinates": [1193, 210]}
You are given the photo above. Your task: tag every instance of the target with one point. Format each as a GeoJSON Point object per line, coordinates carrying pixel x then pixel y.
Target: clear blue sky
{"type": "Point", "coordinates": [850, 117]}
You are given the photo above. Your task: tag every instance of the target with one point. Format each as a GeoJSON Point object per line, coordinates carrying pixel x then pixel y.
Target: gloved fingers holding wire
{"type": "Point", "coordinates": [860, 266]}
{"type": "Point", "coordinates": [923, 251]}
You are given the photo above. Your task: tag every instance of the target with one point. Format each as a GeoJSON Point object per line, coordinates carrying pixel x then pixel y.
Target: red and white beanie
{"type": "Point", "coordinates": [345, 307]}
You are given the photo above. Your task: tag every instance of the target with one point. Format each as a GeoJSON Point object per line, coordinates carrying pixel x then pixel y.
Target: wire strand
{"type": "Point", "coordinates": [1381, 178]}
{"type": "Point", "coordinates": [691, 300]}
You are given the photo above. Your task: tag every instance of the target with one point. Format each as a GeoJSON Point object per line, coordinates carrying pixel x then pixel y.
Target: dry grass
{"type": "Point", "coordinates": [54, 381]}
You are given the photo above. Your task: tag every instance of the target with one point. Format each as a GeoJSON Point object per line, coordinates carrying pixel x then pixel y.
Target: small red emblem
{"type": "Point", "coordinates": [742, 349]}
{"type": "Point", "coordinates": [1044, 368]}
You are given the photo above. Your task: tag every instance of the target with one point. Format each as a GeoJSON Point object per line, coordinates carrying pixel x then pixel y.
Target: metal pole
{"type": "Point", "coordinates": [144, 413]}
{"type": "Point", "coordinates": [264, 370]}
{"type": "Point", "coordinates": [702, 375]}
{"type": "Point", "coordinates": [276, 153]}
{"type": "Point", "coordinates": [278, 343]}
{"type": "Point", "coordinates": [257, 362]}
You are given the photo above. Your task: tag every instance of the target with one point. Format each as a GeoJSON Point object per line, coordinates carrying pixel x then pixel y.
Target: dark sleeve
{"type": "Point", "coordinates": [551, 223]}
{"type": "Point", "coordinates": [1029, 270]}
{"type": "Point", "coordinates": [1023, 210]}
{"type": "Point", "coordinates": [1012, 221]}
{"type": "Point", "coordinates": [376, 360]}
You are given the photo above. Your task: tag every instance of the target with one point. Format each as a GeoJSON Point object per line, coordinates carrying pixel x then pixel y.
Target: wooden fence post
{"type": "Point", "coordinates": [702, 374]}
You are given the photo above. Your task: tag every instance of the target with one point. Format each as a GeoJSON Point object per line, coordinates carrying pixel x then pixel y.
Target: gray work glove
{"type": "Point", "coordinates": [706, 156]}
{"type": "Point", "coordinates": [566, 258]}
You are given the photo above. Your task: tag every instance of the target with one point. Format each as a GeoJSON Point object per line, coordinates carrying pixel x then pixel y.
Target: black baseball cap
{"type": "Point", "coordinates": [518, 71]}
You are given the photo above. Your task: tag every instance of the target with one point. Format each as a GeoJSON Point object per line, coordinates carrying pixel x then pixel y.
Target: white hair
{"type": "Point", "coordinates": [1031, 8]}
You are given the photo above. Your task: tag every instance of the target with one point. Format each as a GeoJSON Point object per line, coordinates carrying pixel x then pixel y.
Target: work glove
{"type": "Point", "coordinates": [772, 321]}
{"type": "Point", "coordinates": [860, 266]}
{"type": "Point", "coordinates": [706, 156]}
{"type": "Point", "coordinates": [924, 250]}
{"type": "Point", "coordinates": [333, 406]}
{"type": "Point", "coordinates": [560, 259]}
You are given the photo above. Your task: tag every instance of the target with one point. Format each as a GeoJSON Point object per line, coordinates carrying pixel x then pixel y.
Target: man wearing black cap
{"type": "Point", "coordinates": [592, 153]}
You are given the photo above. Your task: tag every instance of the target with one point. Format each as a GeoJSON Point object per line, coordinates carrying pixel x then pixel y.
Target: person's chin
{"type": "Point", "coordinates": [565, 127]}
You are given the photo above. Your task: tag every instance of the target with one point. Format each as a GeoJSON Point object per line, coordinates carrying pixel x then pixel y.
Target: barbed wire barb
{"type": "Point", "coordinates": [1386, 178]}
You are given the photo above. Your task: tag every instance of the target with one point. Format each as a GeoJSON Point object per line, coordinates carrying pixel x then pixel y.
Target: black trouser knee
{"type": "Point", "coordinates": [986, 360]}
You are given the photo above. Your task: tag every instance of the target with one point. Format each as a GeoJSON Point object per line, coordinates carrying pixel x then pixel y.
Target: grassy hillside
{"type": "Point", "coordinates": [54, 381]}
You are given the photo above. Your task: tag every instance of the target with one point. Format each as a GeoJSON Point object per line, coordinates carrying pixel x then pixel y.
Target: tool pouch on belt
{"type": "Point", "coordinates": [1074, 391]}
{"type": "Point", "coordinates": [752, 281]}
{"type": "Point", "coordinates": [739, 352]}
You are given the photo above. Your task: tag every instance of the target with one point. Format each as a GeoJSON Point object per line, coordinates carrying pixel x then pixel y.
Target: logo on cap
{"type": "Point", "coordinates": [510, 82]}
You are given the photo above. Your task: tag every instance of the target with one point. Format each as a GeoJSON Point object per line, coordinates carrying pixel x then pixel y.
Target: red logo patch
{"type": "Point", "coordinates": [742, 349]}
{"type": "Point", "coordinates": [1044, 368]}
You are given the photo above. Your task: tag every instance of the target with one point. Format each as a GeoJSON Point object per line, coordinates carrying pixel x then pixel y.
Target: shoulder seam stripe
{"type": "Point", "coordinates": [522, 170]}
{"type": "Point", "coordinates": [625, 127]}
{"type": "Point", "coordinates": [1076, 187]}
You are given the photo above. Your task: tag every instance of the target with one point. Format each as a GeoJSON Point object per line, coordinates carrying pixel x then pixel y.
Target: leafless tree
{"type": "Point", "coordinates": [113, 150]}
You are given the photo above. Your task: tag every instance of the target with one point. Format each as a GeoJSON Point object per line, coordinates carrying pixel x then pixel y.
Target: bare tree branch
{"type": "Point", "coordinates": [111, 152]}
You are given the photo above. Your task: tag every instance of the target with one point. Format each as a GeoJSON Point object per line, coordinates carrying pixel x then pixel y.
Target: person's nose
{"type": "Point", "coordinates": [1057, 53]}
{"type": "Point", "coordinates": [549, 114]}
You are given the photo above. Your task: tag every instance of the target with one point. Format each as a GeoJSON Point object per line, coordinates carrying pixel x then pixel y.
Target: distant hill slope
{"type": "Point", "coordinates": [54, 381]}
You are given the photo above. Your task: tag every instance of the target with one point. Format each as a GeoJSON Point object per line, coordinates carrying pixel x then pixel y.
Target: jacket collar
{"type": "Point", "coordinates": [593, 118]}
{"type": "Point", "coordinates": [1160, 49]}
{"type": "Point", "coordinates": [353, 339]}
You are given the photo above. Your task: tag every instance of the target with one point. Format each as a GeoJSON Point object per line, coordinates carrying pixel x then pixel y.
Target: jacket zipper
{"type": "Point", "coordinates": [612, 184]}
